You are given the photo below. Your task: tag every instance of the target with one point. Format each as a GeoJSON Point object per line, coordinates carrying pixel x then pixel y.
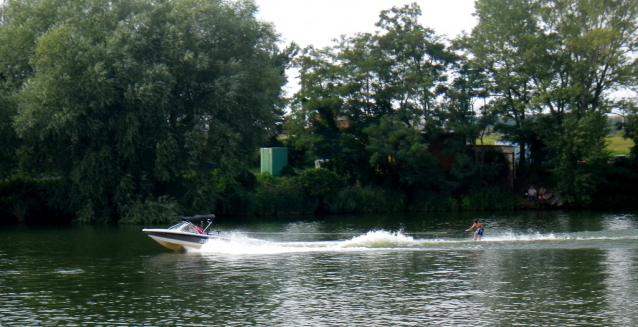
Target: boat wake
{"type": "Point", "coordinates": [240, 243]}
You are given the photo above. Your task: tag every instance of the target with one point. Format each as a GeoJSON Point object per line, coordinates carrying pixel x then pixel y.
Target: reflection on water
{"type": "Point", "coordinates": [620, 272]}
{"type": "Point", "coordinates": [541, 268]}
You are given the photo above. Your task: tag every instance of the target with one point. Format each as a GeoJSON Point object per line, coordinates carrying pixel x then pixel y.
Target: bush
{"type": "Point", "coordinates": [432, 202]}
{"type": "Point", "coordinates": [282, 196]}
{"type": "Point", "coordinates": [28, 200]}
{"type": "Point", "coordinates": [367, 200]}
{"type": "Point", "coordinates": [619, 186]}
{"type": "Point", "coordinates": [164, 210]}
{"type": "Point", "coordinates": [288, 171]}
{"type": "Point", "coordinates": [237, 201]}
{"type": "Point", "coordinates": [321, 184]}
{"type": "Point", "coordinates": [487, 199]}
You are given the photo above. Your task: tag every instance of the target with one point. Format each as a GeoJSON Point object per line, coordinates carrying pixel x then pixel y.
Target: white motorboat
{"type": "Point", "coordinates": [189, 233]}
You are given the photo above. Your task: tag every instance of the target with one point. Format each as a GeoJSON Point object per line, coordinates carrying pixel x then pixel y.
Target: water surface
{"type": "Point", "coordinates": [531, 268]}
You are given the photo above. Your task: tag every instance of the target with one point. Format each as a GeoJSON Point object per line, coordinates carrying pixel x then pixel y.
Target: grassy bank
{"type": "Point", "coordinates": [617, 144]}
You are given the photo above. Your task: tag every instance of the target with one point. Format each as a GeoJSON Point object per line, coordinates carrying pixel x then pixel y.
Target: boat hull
{"type": "Point", "coordinates": [175, 240]}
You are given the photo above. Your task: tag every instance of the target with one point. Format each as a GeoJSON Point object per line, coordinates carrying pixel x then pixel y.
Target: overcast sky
{"type": "Point", "coordinates": [317, 22]}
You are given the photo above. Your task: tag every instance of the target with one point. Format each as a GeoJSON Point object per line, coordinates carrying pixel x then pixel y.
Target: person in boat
{"type": "Point", "coordinates": [478, 229]}
{"type": "Point", "coordinates": [200, 227]}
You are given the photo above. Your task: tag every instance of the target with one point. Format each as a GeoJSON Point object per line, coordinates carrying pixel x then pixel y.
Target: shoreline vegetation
{"type": "Point", "coordinates": [139, 111]}
{"type": "Point", "coordinates": [306, 192]}
{"type": "Point", "coordinates": [271, 196]}
{"type": "Point", "coordinates": [309, 192]}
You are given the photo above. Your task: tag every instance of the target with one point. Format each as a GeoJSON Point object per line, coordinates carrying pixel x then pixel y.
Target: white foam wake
{"type": "Point", "coordinates": [379, 239]}
{"type": "Point", "coordinates": [239, 243]}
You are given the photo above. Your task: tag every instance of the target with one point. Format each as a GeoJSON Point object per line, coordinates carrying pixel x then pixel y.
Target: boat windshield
{"type": "Point", "coordinates": [185, 226]}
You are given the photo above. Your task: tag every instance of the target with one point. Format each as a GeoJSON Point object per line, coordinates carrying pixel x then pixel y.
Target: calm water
{"type": "Point", "coordinates": [530, 269]}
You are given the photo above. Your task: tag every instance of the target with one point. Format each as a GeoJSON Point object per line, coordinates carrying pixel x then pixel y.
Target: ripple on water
{"type": "Point", "coordinates": [373, 278]}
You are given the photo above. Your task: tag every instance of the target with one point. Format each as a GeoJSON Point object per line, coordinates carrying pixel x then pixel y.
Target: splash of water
{"type": "Point", "coordinates": [379, 239]}
{"type": "Point", "coordinates": [239, 243]}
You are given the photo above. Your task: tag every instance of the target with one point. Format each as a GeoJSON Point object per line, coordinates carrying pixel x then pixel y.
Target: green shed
{"type": "Point", "coordinates": [273, 160]}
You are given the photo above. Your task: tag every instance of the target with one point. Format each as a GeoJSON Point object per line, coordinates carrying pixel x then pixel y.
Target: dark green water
{"type": "Point", "coordinates": [530, 269]}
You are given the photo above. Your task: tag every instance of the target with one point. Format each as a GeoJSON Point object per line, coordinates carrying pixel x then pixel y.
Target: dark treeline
{"type": "Point", "coordinates": [141, 111]}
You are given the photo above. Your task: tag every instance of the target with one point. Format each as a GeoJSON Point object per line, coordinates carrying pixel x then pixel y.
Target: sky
{"type": "Point", "coordinates": [318, 22]}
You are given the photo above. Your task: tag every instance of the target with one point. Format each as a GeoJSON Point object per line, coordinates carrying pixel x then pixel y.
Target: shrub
{"type": "Point", "coordinates": [619, 186]}
{"type": "Point", "coordinates": [164, 210]}
{"type": "Point", "coordinates": [282, 196]}
{"type": "Point", "coordinates": [28, 199]}
{"type": "Point", "coordinates": [440, 203]}
{"type": "Point", "coordinates": [288, 171]}
{"type": "Point", "coordinates": [367, 200]}
{"type": "Point", "coordinates": [487, 199]}
{"type": "Point", "coordinates": [322, 185]}
{"type": "Point", "coordinates": [237, 201]}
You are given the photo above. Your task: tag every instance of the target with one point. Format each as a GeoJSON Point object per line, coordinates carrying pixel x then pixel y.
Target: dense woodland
{"type": "Point", "coordinates": [139, 111]}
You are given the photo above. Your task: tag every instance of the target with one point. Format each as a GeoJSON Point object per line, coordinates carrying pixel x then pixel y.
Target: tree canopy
{"type": "Point", "coordinates": [552, 68]}
{"type": "Point", "coordinates": [399, 71]}
{"type": "Point", "coordinates": [132, 100]}
{"type": "Point", "coordinates": [129, 104]}
{"type": "Point", "coordinates": [545, 70]}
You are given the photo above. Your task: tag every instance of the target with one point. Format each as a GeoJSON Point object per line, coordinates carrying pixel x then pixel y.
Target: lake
{"type": "Point", "coordinates": [532, 268]}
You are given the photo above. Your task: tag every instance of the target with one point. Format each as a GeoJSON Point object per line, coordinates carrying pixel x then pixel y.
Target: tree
{"type": "Point", "coordinates": [629, 125]}
{"type": "Point", "coordinates": [398, 71]}
{"type": "Point", "coordinates": [400, 155]}
{"type": "Point", "coordinates": [10, 142]}
{"type": "Point", "coordinates": [552, 67]}
{"type": "Point", "coordinates": [131, 100]}
{"type": "Point", "coordinates": [464, 114]}
{"type": "Point", "coordinates": [504, 45]}
{"type": "Point", "coordinates": [414, 67]}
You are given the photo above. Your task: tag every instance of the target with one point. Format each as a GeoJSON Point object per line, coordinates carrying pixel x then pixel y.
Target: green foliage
{"type": "Point", "coordinates": [164, 210]}
{"type": "Point", "coordinates": [236, 195]}
{"type": "Point", "coordinates": [367, 200]}
{"type": "Point", "coordinates": [400, 155]}
{"type": "Point", "coordinates": [553, 66]}
{"type": "Point", "coordinates": [288, 171]}
{"type": "Point", "coordinates": [630, 125]}
{"type": "Point", "coordinates": [199, 195]}
{"type": "Point", "coordinates": [282, 196]}
{"type": "Point", "coordinates": [119, 109]}
{"type": "Point", "coordinates": [29, 200]}
{"type": "Point", "coordinates": [488, 199]}
{"type": "Point", "coordinates": [125, 100]}
{"type": "Point", "coordinates": [237, 201]}
{"type": "Point", "coordinates": [320, 183]}
{"type": "Point", "coordinates": [428, 201]}
{"type": "Point", "coordinates": [10, 141]}
{"type": "Point", "coordinates": [583, 140]}
{"type": "Point", "coordinates": [619, 186]}
{"type": "Point", "coordinates": [347, 90]}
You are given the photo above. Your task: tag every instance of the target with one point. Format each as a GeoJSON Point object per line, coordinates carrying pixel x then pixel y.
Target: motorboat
{"type": "Point", "coordinates": [188, 233]}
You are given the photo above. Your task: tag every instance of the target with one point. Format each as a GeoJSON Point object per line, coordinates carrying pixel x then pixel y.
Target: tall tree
{"type": "Point", "coordinates": [553, 66]}
{"type": "Point", "coordinates": [415, 63]}
{"type": "Point", "coordinates": [129, 101]}
{"type": "Point", "coordinates": [506, 43]}
{"type": "Point", "coordinates": [397, 71]}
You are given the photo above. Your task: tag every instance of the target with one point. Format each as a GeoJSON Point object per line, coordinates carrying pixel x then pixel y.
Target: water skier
{"type": "Point", "coordinates": [478, 229]}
